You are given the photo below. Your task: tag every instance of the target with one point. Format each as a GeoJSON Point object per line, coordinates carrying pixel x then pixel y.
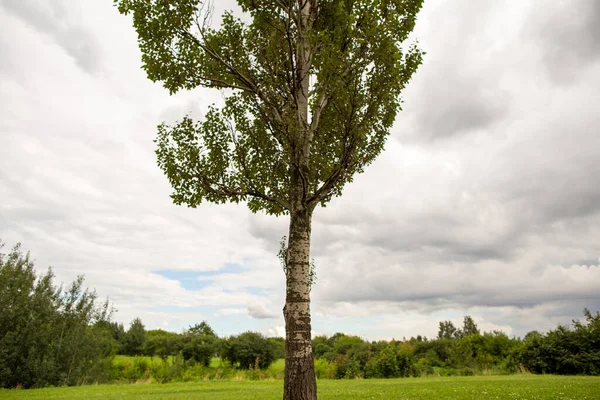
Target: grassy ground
{"type": "Point", "coordinates": [530, 387]}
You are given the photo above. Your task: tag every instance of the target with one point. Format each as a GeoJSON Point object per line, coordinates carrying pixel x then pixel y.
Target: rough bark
{"type": "Point", "coordinates": [300, 382]}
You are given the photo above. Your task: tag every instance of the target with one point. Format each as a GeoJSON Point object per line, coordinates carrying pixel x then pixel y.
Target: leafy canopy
{"type": "Point", "coordinates": [352, 53]}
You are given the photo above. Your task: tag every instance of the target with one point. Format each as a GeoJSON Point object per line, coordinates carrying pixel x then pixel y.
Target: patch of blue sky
{"type": "Point", "coordinates": [188, 279]}
{"type": "Point", "coordinates": [196, 280]}
{"type": "Point", "coordinates": [227, 269]}
{"type": "Point", "coordinates": [257, 291]}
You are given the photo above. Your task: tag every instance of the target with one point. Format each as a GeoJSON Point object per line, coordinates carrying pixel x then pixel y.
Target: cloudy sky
{"type": "Point", "coordinates": [485, 202]}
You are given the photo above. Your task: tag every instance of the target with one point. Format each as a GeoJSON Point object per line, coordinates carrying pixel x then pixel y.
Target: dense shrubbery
{"type": "Point", "coordinates": [465, 351]}
{"type": "Point", "coordinates": [49, 335]}
{"type": "Point", "coordinates": [564, 350]}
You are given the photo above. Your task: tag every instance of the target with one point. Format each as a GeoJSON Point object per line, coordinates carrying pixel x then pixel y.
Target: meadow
{"type": "Point", "coordinates": [531, 387]}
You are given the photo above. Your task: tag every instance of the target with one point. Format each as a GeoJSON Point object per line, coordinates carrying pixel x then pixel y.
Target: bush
{"type": "Point", "coordinates": [564, 350]}
{"type": "Point", "coordinates": [247, 350]}
{"type": "Point", "coordinates": [324, 369]}
{"type": "Point", "coordinates": [392, 362]}
{"type": "Point", "coordinates": [346, 368]}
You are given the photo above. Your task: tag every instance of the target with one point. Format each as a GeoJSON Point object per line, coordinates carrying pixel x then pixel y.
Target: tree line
{"type": "Point", "coordinates": [198, 344]}
{"type": "Point", "coordinates": [55, 335]}
{"type": "Point", "coordinates": [467, 351]}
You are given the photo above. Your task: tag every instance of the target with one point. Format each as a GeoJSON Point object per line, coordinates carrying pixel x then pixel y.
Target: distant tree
{"type": "Point", "coordinates": [321, 346]}
{"type": "Point", "coordinates": [447, 330]}
{"type": "Point", "coordinates": [200, 343]}
{"type": "Point", "coordinates": [247, 349]}
{"type": "Point", "coordinates": [335, 337]}
{"type": "Point", "coordinates": [133, 343]}
{"type": "Point", "coordinates": [161, 343]}
{"type": "Point", "coordinates": [344, 343]}
{"type": "Point", "coordinates": [278, 345]}
{"type": "Point", "coordinates": [114, 329]}
{"type": "Point", "coordinates": [469, 326]}
{"type": "Point", "coordinates": [118, 333]}
{"type": "Point", "coordinates": [313, 88]}
{"type": "Point", "coordinates": [203, 328]}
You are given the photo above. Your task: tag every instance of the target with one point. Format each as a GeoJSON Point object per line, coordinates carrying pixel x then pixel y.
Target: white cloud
{"type": "Point", "coordinates": [260, 311]}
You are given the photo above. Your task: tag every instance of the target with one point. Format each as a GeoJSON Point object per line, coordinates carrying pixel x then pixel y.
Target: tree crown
{"type": "Point", "coordinates": [312, 88]}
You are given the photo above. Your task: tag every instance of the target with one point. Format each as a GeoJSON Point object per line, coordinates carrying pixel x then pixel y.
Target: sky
{"type": "Point", "coordinates": [485, 202]}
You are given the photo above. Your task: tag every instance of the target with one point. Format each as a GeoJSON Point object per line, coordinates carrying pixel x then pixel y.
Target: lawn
{"type": "Point", "coordinates": [533, 387]}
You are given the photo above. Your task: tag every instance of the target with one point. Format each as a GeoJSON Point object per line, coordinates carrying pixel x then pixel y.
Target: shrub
{"type": "Point", "coordinates": [248, 349]}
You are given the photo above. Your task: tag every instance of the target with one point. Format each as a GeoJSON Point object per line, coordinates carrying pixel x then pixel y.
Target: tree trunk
{"type": "Point", "coordinates": [300, 382]}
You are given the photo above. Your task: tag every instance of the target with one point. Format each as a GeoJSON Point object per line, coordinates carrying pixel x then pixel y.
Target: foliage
{"type": "Point", "coordinates": [278, 346]}
{"type": "Point", "coordinates": [162, 344]}
{"type": "Point", "coordinates": [393, 361]}
{"type": "Point", "coordinates": [322, 348]}
{"type": "Point", "coordinates": [133, 342]}
{"type": "Point", "coordinates": [199, 343]}
{"type": "Point", "coordinates": [564, 350]}
{"type": "Point", "coordinates": [469, 327]}
{"type": "Point", "coordinates": [447, 330]}
{"type": "Point", "coordinates": [49, 335]}
{"type": "Point", "coordinates": [116, 332]}
{"type": "Point", "coordinates": [247, 149]}
{"type": "Point", "coordinates": [248, 350]}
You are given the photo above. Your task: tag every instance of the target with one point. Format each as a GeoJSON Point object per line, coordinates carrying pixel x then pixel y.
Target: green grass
{"type": "Point", "coordinates": [150, 360]}
{"type": "Point", "coordinates": [278, 365]}
{"type": "Point", "coordinates": [523, 387]}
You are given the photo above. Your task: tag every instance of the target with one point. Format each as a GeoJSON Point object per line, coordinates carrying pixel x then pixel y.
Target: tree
{"type": "Point", "coordinates": [203, 328]}
{"type": "Point", "coordinates": [161, 343]}
{"type": "Point", "coordinates": [447, 330]}
{"type": "Point", "coordinates": [249, 349]}
{"type": "Point", "coordinates": [133, 343]}
{"type": "Point", "coordinates": [200, 343]}
{"type": "Point", "coordinates": [469, 326]}
{"type": "Point", "coordinates": [312, 89]}
{"type": "Point", "coordinates": [116, 331]}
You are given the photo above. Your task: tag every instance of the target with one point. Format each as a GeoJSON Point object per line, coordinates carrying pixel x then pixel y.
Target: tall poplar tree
{"type": "Point", "coordinates": [312, 88]}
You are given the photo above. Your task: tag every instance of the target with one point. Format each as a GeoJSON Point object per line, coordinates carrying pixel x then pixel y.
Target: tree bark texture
{"type": "Point", "coordinates": [300, 382]}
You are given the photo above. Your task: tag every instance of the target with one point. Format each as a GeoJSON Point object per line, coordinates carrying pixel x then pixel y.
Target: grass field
{"type": "Point", "coordinates": [532, 387]}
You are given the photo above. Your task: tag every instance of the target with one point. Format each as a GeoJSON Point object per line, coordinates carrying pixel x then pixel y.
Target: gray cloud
{"type": "Point", "coordinates": [55, 19]}
{"type": "Point", "coordinates": [260, 311]}
{"type": "Point", "coordinates": [569, 34]}
{"type": "Point", "coordinates": [458, 85]}
{"type": "Point", "coordinates": [454, 105]}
